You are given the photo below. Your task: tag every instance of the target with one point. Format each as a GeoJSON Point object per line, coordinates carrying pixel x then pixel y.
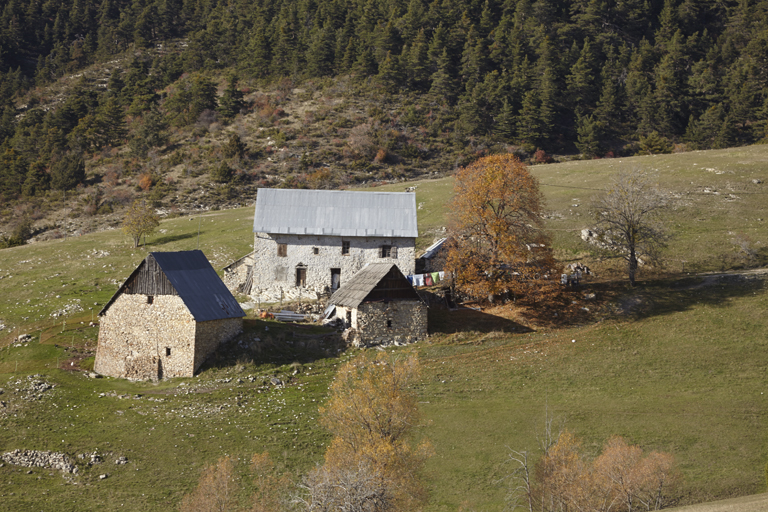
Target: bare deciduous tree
{"type": "Point", "coordinates": [358, 488]}
{"type": "Point", "coordinates": [629, 219]}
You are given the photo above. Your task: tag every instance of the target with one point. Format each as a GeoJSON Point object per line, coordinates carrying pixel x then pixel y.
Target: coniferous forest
{"type": "Point", "coordinates": [585, 77]}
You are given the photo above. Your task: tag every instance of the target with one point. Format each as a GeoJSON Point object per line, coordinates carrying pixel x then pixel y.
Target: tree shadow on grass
{"type": "Point", "coordinates": [172, 238]}
{"type": "Point", "coordinates": [674, 296]}
{"type": "Point", "coordinates": [470, 320]}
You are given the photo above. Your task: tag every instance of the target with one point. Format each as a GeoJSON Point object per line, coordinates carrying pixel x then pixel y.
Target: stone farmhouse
{"type": "Point", "coordinates": [311, 242]}
{"type": "Point", "coordinates": [166, 318]}
{"type": "Point", "coordinates": [379, 307]}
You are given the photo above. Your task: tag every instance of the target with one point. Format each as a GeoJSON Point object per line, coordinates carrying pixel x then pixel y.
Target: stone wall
{"type": "Point", "coordinates": [387, 323]}
{"type": "Point", "coordinates": [272, 272]}
{"type": "Point", "coordinates": [209, 334]}
{"type": "Point", "coordinates": [140, 340]}
{"type": "Point", "coordinates": [236, 273]}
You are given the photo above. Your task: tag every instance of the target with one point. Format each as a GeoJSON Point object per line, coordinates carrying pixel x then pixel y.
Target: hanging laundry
{"type": "Point", "coordinates": [435, 277]}
{"type": "Point", "coordinates": [410, 279]}
{"type": "Point", "coordinates": [418, 280]}
{"type": "Point", "coordinates": [428, 280]}
{"type": "Point", "coordinates": [442, 275]}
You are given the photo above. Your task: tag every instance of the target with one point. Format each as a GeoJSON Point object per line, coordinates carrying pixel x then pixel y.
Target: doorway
{"type": "Point", "coordinates": [335, 278]}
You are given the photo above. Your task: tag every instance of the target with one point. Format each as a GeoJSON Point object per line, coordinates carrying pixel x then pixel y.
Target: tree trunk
{"type": "Point", "coordinates": [632, 266]}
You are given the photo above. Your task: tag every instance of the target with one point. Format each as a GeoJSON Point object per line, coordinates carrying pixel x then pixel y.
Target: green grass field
{"type": "Point", "coordinates": [679, 366]}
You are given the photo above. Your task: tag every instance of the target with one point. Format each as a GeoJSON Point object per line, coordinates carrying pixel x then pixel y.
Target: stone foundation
{"type": "Point", "coordinates": [141, 340]}
{"type": "Point", "coordinates": [385, 323]}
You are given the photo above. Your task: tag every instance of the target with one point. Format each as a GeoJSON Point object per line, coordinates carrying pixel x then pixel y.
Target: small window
{"type": "Point", "coordinates": [315, 250]}
{"type": "Point", "coordinates": [386, 251]}
{"type": "Point", "coordinates": [282, 250]}
{"type": "Point", "coordinates": [349, 317]}
{"type": "Point", "coordinates": [301, 277]}
{"type": "Point", "coordinates": [344, 247]}
{"type": "Point", "coordinates": [150, 299]}
{"type": "Point", "coordinates": [389, 323]}
{"type": "Point", "coordinates": [167, 351]}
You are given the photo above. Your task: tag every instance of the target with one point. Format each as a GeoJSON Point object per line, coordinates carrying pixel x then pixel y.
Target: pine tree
{"type": "Point", "coordinates": [231, 102]}
{"type": "Point", "coordinates": [443, 83]}
{"type": "Point", "coordinates": [390, 73]}
{"type": "Point", "coordinates": [68, 172]}
{"type": "Point", "coordinates": [506, 121]}
{"type": "Point", "coordinates": [589, 136]}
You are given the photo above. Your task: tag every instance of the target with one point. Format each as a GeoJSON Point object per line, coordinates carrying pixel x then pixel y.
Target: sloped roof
{"type": "Point", "coordinates": [373, 283]}
{"type": "Point", "coordinates": [335, 212]}
{"type": "Point", "coordinates": [194, 279]}
{"type": "Point", "coordinates": [433, 249]}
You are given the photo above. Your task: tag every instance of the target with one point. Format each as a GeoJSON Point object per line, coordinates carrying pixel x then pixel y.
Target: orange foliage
{"type": "Point", "coordinates": [272, 489]}
{"type": "Point", "coordinates": [498, 242]}
{"type": "Point", "coordinates": [372, 412]}
{"type": "Point", "coordinates": [215, 492]}
{"type": "Point", "coordinates": [145, 181]}
{"type": "Point", "coordinates": [620, 479]}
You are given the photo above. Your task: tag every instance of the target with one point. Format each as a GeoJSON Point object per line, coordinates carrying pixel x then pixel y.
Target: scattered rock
{"type": "Point", "coordinates": [39, 459]}
{"type": "Point", "coordinates": [757, 181]}
{"type": "Point", "coordinates": [121, 460]}
{"type": "Point", "coordinates": [103, 477]}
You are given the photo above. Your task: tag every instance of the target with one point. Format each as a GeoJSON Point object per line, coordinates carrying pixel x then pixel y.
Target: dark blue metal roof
{"type": "Point", "coordinates": [192, 276]}
{"type": "Point", "coordinates": [198, 285]}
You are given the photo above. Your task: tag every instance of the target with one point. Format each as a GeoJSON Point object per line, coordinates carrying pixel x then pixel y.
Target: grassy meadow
{"type": "Point", "coordinates": [678, 364]}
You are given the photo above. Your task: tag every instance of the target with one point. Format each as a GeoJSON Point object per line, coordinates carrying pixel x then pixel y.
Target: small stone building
{"type": "Point", "coordinates": [166, 318]}
{"type": "Point", "coordinates": [380, 307]}
{"type": "Point", "coordinates": [310, 242]}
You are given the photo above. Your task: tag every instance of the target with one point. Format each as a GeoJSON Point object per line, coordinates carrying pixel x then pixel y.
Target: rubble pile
{"type": "Point", "coordinates": [39, 459]}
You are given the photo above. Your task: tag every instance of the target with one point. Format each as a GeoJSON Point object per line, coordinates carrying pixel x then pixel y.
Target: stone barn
{"type": "Point", "coordinates": [380, 307]}
{"type": "Point", "coordinates": [166, 318]}
{"type": "Point", "coordinates": [310, 242]}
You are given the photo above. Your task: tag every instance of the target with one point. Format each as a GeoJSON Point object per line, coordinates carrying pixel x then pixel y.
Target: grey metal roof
{"type": "Point", "coordinates": [197, 283]}
{"type": "Point", "coordinates": [369, 285]}
{"type": "Point", "coordinates": [433, 249]}
{"type": "Point", "coordinates": [335, 212]}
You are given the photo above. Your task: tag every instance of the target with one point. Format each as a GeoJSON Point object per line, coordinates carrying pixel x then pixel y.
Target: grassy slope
{"type": "Point", "coordinates": [703, 224]}
{"type": "Point", "coordinates": [684, 374]}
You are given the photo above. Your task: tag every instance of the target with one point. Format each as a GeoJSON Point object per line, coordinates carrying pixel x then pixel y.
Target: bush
{"type": "Point", "coordinates": [222, 173]}
{"type": "Point", "coordinates": [655, 144]}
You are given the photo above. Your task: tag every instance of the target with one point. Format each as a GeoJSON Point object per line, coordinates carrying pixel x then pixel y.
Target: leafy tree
{"type": "Point", "coordinates": [498, 242]}
{"type": "Point", "coordinates": [629, 219]}
{"type": "Point", "coordinates": [139, 221]}
{"type": "Point", "coordinates": [371, 413]}
{"type": "Point", "coordinates": [216, 490]}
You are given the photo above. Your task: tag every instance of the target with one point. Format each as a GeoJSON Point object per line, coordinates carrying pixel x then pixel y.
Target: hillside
{"type": "Point", "coordinates": [192, 104]}
{"type": "Point", "coordinates": [675, 365]}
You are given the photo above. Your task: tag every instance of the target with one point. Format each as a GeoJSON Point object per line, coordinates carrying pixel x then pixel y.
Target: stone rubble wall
{"type": "Point", "coordinates": [408, 322]}
{"type": "Point", "coordinates": [134, 337]}
{"type": "Point", "coordinates": [39, 459]}
{"type": "Point", "coordinates": [272, 272]}
{"type": "Point", "coordinates": [235, 275]}
{"type": "Point", "coordinates": [210, 334]}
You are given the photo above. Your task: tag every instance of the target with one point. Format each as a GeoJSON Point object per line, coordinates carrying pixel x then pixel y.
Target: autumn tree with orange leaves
{"type": "Point", "coordinates": [498, 244]}
{"type": "Point", "coordinates": [373, 461]}
{"type": "Point", "coordinates": [620, 479]}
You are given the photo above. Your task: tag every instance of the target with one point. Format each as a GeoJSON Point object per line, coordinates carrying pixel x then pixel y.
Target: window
{"type": "Point", "coordinates": [344, 247]}
{"type": "Point", "coordinates": [150, 299]}
{"type": "Point", "coordinates": [386, 251]}
{"type": "Point", "coordinates": [282, 250]}
{"type": "Point", "coordinates": [167, 351]}
{"type": "Point", "coordinates": [389, 323]}
{"type": "Point", "coordinates": [301, 277]}
{"type": "Point", "coordinates": [315, 250]}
